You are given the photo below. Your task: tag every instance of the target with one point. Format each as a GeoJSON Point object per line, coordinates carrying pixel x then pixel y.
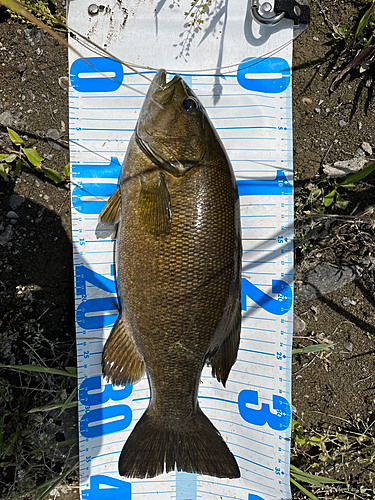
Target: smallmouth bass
{"type": "Point", "coordinates": [178, 271]}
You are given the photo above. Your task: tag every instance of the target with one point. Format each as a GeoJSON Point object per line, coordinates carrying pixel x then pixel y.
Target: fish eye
{"type": "Point", "coordinates": [189, 104]}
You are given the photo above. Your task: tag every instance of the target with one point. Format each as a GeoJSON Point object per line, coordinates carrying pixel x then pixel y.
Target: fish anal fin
{"type": "Point", "coordinates": [154, 205]}
{"type": "Point", "coordinates": [111, 211]}
{"type": "Point", "coordinates": [122, 363]}
{"type": "Point", "coordinates": [222, 357]}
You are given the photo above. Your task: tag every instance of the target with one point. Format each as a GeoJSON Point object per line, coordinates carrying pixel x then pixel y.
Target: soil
{"type": "Point", "coordinates": [332, 389]}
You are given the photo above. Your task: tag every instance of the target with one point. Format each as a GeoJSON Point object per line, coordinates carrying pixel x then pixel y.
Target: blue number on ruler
{"type": "Point", "coordinates": [98, 83]}
{"type": "Point", "coordinates": [85, 275]}
{"type": "Point", "coordinates": [254, 497]}
{"type": "Point", "coordinates": [278, 306]}
{"type": "Point", "coordinates": [107, 170]}
{"type": "Point", "coordinates": [278, 186]}
{"type": "Point", "coordinates": [108, 392]}
{"type": "Point", "coordinates": [277, 68]}
{"type": "Point", "coordinates": [90, 190]}
{"type": "Point", "coordinates": [91, 424]}
{"type": "Point", "coordinates": [99, 306]}
{"type": "Point", "coordinates": [118, 489]}
{"type": "Point", "coordinates": [279, 421]}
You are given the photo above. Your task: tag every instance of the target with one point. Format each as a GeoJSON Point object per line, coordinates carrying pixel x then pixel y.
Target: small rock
{"type": "Point", "coordinates": [366, 148]}
{"type": "Point", "coordinates": [346, 167]}
{"type": "Point", "coordinates": [359, 152]}
{"type": "Point", "coordinates": [306, 101]}
{"type": "Point", "coordinates": [6, 119]}
{"type": "Point", "coordinates": [64, 82]}
{"type": "Point", "coordinates": [32, 36]}
{"type": "Point", "coordinates": [328, 110]}
{"type": "Point", "coordinates": [7, 235]}
{"type": "Point", "coordinates": [342, 123]}
{"type": "Point", "coordinates": [345, 301]}
{"type": "Point", "coordinates": [326, 278]}
{"type": "Point", "coordinates": [53, 134]}
{"type": "Point", "coordinates": [317, 110]}
{"type": "Point", "coordinates": [298, 324]}
{"type": "Point", "coordinates": [348, 346]}
{"type": "Point", "coordinates": [16, 200]}
{"type": "Point", "coordinates": [359, 125]}
{"type": "Point", "coordinates": [12, 215]}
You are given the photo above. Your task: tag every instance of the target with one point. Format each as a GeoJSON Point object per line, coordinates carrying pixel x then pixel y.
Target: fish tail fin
{"type": "Point", "coordinates": [196, 447]}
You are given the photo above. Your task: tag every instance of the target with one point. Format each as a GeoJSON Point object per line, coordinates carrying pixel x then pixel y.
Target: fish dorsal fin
{"type": "Point", "coordinates": [121, 362]}
{"type": "Point", "coordinates": [111, 211]}
{"type": "Point", "coordinates": [154, 204]}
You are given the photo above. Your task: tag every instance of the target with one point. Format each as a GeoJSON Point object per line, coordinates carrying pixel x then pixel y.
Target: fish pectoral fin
{"type": "Point", "coordinates": [111, 211]}
{"type": "Point", "coordinates": [122, 363]}
{"type": "Point", "coordinates": [155, 205]}
{"type": "Point", "coordinates": [223, 357]}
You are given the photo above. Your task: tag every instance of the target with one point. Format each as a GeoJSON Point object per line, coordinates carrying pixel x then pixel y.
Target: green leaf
{"type": "Point", "coordinates": [69, 401]}
{"type": "Point", "coordinates": [2, 156]}
{"type": "Point", "coordinates": [52, 174]}
{"type": "Point", "coordinates": [311, 348]}
{"type": "Point", "coordinates": [311, 478]}
{"type": "Point", "coordinates": [304, 490]}
{"type": "Point", "coordinates": [72, 370]}
{"type": "Point", "coordinates": [67, 170]}
{"type": "Point", "coordinates": [4, 169]}
{"type": "Point", "coordinates": [328, 199]}
{"type": "Point", "coordinates": [55, 406]}
{"type": "Point", "coordinates": [13, 439]}
{"type": "Point", "coordinates": [14, 137]}
{"type": "Point", "coordinates": [340, 202]}
{"type": "Point", "coordinates": [17, 170]}
{"type": "Point", "coordinates": [358, 175]}
{"type": "Point", "coordinates": [39, 369]}
{"type": "Point", "coordinates": [33, 157]}
{"type": "Point", "coordinates": [10, 158]}
{"type": "Point", "coordinates": [364, 20]}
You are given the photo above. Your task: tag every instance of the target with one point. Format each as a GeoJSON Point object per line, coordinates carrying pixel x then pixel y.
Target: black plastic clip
{"type": "Point", "coordinates": [293, 10]}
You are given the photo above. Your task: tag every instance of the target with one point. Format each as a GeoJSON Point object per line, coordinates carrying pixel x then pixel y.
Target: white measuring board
{"type": "Point", "coordinates": [249, 103]}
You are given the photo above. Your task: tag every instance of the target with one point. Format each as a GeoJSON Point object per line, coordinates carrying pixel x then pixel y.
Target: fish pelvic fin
{"type": "Point", "coordinates": [111, 211]}
{"type": "Point", "coordinates": [224, 356]}
{"type": "Point", "coordinates": [196, 447]}
{"type": "Point", "coordinates": [122, 363]}
{"type": "Point", "coordinates": [154, 205]}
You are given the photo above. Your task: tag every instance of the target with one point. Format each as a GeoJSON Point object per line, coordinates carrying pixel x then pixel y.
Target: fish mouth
{"type": "Point", "coordinates": [160, 78]}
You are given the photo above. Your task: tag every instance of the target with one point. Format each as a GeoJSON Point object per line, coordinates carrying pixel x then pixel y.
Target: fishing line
{"type": "Point", "coordinates": [96, 49]}
{"type": "Point", "coordinates": [109, 159]}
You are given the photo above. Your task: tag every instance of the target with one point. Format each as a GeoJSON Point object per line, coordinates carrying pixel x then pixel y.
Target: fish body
{"type": "Point", "coordinates": [178, 272]}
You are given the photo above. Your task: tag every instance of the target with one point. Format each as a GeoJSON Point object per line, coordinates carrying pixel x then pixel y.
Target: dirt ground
{"type": "Point", "coordinates": [333, 390]}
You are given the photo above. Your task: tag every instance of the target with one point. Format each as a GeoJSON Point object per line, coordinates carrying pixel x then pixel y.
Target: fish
{"type": "Point", "coordinates": [178, 268]}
